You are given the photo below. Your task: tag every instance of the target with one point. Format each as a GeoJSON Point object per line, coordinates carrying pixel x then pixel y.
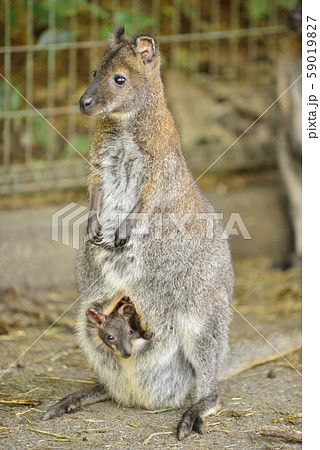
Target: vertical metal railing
{"type": "Point", "coordinates": [7, 88]}
{"type": "Point", "coordinates": [51, 138]}
{"type": "Point", "coordinates": [214, 43]}
{"type": "Point", "coordinates": [29, 83]}
{"type": "Point", "coordinates": [234, 43]}
{"type": "Point", "coordinates": [72, 72]}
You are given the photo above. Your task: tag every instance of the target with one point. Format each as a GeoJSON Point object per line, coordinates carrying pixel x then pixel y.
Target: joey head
{"type": "Point", "coordinates": [119, 329]}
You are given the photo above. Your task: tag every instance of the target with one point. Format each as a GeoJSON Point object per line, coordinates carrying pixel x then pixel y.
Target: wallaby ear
{"type": "Point", "coordinates": [146, 48]}
{"type": "Point", "coordinates": [119, 37]}
{"type": "Point", "coordinates": [95, 317]}
{"type": "Point", "coordinates": [126, 310]}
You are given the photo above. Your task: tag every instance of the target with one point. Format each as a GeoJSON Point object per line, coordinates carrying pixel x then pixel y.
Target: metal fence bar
{"type": "Point", "coordinates": [72, 72]}
{"type": "Point", "coordinates": [214, 43]}
{"type": "Point", "coordinates": [115, 7]}
{"type": "Point", "coordinates": [272, 41]}
{"type": "Point", "coordinates": [234, 43]}
{"type": "Point", "coordinates": [252, 43]}
{"type": "Point", "coordinates": [155, 13]}
{"type": "Point", "coordinates": [175, 28]}
{"type": "Point", "coordinates": [195, 28]}
{"type": "Point", "coordinates": [22, 113]}
{"type": "Point", "coordinates": [7, 89]}
{"type": "Point", "coordinates": [29, 81]}
{"type": "Point", "coordinates": [51, 139]}
{"type": "Point", "coordinates": [136, 4]}
{"type": "Point", "coordinates": [94, 34]}
{"type": "Point", "coordinates": [167, 39]}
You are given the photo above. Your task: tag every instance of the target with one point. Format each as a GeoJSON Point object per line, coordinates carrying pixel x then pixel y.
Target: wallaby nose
{"type": "Point", "coordinates": [87, 101]}
{"type": "Point", "coordinates": [126, 354]}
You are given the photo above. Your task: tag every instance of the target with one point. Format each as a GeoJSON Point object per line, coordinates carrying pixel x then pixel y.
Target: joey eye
{"type": "Point", "coordinates": [119, 80]}
{"type": "Point", "coordinates": [94, 73]}
{"type": "Point", "coordinates": [110, 337]}
{"type": "Point", "coordinates": [130, 332]}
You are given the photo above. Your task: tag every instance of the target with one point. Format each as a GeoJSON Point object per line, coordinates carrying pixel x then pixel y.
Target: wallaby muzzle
{"type": "Point", "coordinates": [88, 102]}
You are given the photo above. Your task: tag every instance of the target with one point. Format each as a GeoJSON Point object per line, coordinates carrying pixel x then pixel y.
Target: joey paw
{"type": "Point", "coordinates": [147, 335]}
{"type": "Point", "coordinates": [190, 421]}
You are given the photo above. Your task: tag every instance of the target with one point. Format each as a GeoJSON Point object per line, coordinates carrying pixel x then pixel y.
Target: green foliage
{"type": "Point", "coordinates": [14, 99]}
{"type": "Point", "coordinates": [81, 142]}
{"type": "Point", "coordinates": [259, 9]}
{"type": "Point", "coordinates": [181, 58]}
{"type": "Point", "coordinates": [62, 10]}
{"type": "Point", "coordinates": [132, 21]}
{"type": "Point", "coordinates": [39, 131]}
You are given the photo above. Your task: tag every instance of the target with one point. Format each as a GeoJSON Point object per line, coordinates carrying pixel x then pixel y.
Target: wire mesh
{"type": "Point", "coordinates": [48, 49]}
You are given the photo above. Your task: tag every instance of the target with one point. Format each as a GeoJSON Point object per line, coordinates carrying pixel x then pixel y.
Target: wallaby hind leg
{"type": "Point", "coordinates": [204, 350]}
{"type": "Point", "coordinates": [76, 400]}
{"type": "Point", "coordinates": [193, 418]}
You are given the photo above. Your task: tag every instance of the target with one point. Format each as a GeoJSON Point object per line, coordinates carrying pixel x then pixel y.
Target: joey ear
{"type": "Point", "coordinates": [146, 48]}
{"type": "Point", "coordinates": [95, 317]}
{"type": "Point", "coordinates": [126, 310]}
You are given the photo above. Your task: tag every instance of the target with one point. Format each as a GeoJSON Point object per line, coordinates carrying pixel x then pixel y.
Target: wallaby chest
{"type": "Point", "coordinates": [121, 169]}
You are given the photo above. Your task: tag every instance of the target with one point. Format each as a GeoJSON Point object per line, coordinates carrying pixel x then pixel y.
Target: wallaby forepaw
{"type": "Point", "coordinates": [97, 239]}
{"type": "Point", "coordinates": [190, 421]}
{"type": "Point", "coordinates": [119, 242]}
{"type": "Point", "coordinates": [94, 231]}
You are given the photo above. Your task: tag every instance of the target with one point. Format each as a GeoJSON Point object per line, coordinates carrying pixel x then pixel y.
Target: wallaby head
{"type": "Point", "coordinates": [123, 80]}
{"type": "Point", "coordinates": [114, 330]}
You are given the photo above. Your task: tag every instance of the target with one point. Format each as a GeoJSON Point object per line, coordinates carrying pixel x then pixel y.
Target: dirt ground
{"type": "Point", "coordinates": [259, 388]}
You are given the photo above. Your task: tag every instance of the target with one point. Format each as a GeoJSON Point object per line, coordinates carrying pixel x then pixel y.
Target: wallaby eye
{"type": "Point", "coordinates": [130, 332]}
{"type": "Point", "coordinates": [94, 73]}
{"type": "Point", "coordinates": [119, 80]}
{"type": "Point", "coordinates": [110, 337]}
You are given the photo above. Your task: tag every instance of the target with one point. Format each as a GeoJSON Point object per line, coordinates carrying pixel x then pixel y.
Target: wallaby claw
{"type": "Point", "coordinates": [66, 405]}
{"type": "Point", "coordinates": [189, 421]}
{"type": "Point", "coordinates": [93, 230]}
{"type": "Point", "coordinates": [97, 240]}
{"type": "Point", "coordinates": [119, 242]}
{"type": "Point", "coordinates": [198, 425]}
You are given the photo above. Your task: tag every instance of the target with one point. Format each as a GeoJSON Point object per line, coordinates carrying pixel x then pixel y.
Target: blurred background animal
{"type": "Point", "coordinates": [290, 132]}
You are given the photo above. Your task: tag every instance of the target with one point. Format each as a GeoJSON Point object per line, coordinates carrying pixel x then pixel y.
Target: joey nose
{"type": "Point", "coordinates": [126, 355]}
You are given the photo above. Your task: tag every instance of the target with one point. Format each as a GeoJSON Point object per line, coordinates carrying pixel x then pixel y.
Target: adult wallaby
{"type": "Point", "coordinates": [175, 266]}
{"type": "Point", "coordinates": [119, 330]}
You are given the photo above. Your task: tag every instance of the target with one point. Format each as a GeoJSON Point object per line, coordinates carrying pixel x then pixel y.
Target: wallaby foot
{"type": "Point", "coordinates": [76, 400]}
{"type": "Point", "coordinates": [193, 418]}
